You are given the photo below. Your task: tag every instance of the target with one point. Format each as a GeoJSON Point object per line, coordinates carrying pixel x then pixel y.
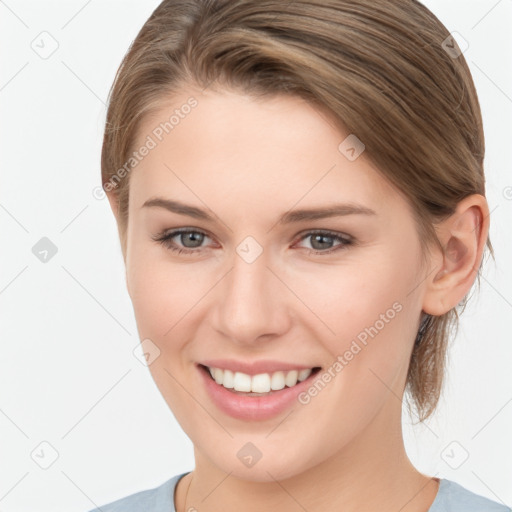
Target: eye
{"type": "Point", "coordinates": [191, 239]}
{"type": "Point", "coordinates": [321, 240]}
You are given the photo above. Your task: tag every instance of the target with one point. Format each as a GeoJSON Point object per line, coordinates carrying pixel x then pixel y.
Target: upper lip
{"type": "Point", "coordinates": [254, 367]}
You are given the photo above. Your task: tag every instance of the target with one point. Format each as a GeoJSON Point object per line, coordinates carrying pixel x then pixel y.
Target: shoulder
{"type": "Point", "coordinates": [158, 499]}
{"type": "Point", "coordinates": [453, 497]}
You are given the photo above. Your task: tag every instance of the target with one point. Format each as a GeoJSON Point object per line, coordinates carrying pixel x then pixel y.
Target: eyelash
{"type": "Point", "coordinates": [165, 238]}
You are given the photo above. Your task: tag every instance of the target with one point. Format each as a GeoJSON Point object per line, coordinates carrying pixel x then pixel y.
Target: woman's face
{"type": "Point", "coordinates": [252, 288]}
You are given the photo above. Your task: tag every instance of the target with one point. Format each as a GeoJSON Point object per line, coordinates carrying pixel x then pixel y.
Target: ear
{"type": "Point", "coordinates": [463, 237]}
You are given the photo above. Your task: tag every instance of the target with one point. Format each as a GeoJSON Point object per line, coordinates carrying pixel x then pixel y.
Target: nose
{"type": "Point", "coordinates": [251, 302]}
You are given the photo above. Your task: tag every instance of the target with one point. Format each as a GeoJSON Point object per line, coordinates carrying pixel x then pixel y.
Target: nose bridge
{"type": "Point", "coordinates": [250, 302]}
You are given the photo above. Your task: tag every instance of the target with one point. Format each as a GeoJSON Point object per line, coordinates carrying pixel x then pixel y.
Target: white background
{"type": "Point", "coordinates": [68, 376]}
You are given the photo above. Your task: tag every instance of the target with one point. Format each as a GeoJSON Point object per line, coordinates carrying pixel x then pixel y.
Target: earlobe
{"type": "Point", "coordinates": [463, 236]}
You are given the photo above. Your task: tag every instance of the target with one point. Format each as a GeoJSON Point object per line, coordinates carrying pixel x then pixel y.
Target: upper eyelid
{"type": "Point", "coordinates": [171, 233]}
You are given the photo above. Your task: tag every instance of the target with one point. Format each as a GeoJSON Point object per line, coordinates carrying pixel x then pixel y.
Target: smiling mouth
{"type": "Point", "coordinates": [264, 384]}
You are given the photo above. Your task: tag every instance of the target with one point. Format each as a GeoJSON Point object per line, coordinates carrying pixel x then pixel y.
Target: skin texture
{"type": "Point", "coordinates": [247, 162]}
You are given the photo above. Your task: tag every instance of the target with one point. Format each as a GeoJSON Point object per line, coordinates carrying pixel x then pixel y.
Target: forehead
{"type": "Point", "coordinates": [234, 148]}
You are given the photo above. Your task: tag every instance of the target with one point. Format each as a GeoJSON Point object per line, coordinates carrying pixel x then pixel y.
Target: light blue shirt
{"type": "Point", "coordinates": [451, 497]}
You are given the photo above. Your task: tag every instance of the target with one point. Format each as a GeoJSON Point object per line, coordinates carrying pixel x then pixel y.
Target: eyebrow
{"type": "Point", "coordinates": [334, 210]}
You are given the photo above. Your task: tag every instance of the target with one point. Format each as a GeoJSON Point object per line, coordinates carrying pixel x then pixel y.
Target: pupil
{"type": "Point", "coordinates": [192, 237]}
{"type": "Point", "coordinates": [321, 239]}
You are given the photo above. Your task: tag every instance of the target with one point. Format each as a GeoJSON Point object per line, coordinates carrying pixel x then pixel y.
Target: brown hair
{"type": "Point", "coordinates": [387, 70]}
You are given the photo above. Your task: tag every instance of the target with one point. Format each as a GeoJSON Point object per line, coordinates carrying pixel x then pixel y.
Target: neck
{"type": "Point", "coordinates": [372, 472]}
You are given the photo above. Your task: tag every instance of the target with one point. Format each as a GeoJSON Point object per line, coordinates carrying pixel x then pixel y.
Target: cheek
{"type": "Point", "coordinates": [365, 311]}
{"type": "Point", "coordinates": [161, 299]}
{"type": "Point", "coordinates": [152, 295]}
{"type": "Point", "coordinates": [161, 292]}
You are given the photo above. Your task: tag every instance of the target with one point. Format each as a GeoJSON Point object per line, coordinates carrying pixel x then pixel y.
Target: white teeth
{"type": "Point", "coordinates": [229, 379]}
{"type": "Point", "coordinates": [291, 378]}
{"type": "Point", "coordinates": [261, 383]}
{"type": "Point", "coordinates": [277, 381]}
{"type": "Point", "coordinates": [242, 382]}
{"type": "Point", "coordinates": [218, 375]}
{"type": "Point", "coordinates": [304, 374]}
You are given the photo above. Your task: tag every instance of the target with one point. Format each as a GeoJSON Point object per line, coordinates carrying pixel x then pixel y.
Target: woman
{"type": "Point", "coordinates": [300, 199]}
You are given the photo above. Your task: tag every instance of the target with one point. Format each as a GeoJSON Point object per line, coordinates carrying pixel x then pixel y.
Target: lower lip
{"type": "Point", "coordinates": [253, 408]}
